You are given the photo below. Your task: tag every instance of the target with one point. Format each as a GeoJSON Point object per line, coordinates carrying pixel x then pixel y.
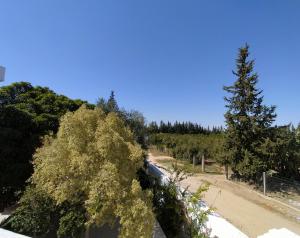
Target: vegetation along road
{"type": "Point", "coordinates": [244, 208]}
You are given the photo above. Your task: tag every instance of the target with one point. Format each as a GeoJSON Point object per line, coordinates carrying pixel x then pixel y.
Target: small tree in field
{"type": "Point", "coordinates": [248, 121]}
{"type": "Point", "coordinates": [93, 160]}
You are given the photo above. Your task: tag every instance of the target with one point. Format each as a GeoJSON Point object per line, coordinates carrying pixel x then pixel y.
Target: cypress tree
{"type": "Point", "coordinates": [248, 121]}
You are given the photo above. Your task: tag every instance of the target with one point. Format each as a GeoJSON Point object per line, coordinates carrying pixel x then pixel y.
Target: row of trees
{"type": "Point", "coordinates": [186, 147]}
{"type": "Point", "coordinates": [182, 128]}
{"type": "Point", "coordinates": [250, 144]}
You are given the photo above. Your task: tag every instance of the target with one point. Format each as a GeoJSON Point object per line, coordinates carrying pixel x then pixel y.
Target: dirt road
{"type": "Point", "coordinates": [247, 210]}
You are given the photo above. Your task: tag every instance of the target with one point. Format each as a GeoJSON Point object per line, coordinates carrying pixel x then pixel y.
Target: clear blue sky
{"type": "Point", "coordinates": [167, 59]}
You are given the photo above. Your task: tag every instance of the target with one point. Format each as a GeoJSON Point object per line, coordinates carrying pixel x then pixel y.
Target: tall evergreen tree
{"type": "Point", "coordinates": [112, 103]}
{"type": "Point", "coordinates": [248, 121]}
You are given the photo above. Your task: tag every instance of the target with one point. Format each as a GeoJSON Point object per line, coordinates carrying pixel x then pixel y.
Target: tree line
{"type": "Point", "coordinates": [250, 143]}
{"type": "Point", "coordinates": [71, 150]}
{"type": "Point", "coordinates": [182, 128]}
{"type": "Point", "coordinates": [187, 147]}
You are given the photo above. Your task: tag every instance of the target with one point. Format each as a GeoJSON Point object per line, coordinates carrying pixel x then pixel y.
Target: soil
{"type": "Point", "coordinates": [251, 212]}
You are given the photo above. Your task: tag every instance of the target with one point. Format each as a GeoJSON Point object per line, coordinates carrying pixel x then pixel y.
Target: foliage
{"type": "Point", "coordinates": [26, 114]}
{"type": "Point", "coordinates": [137, 124]}
{"type": "Point", "coordinates": [94, 160]}
{"type": "Point", "coordinates": [185, 147]}
{"type": "Point", "coordinates": [45, 106]}
{"type": "Point", "coordinates": [172, 204]}
{"type": "Point", "coordinates": [199, 216]}
{"type": "Point", "coordinates": [182, 128]}
{"type": "Point", "coordinates": [248, 121]}
{"type": "Point", "coordinates": [38, 214]}
{"type": "Point", "coordinates": [71, 220]}
{"type": "Point", "coordinates": [193, 216]}
{"type": "Point", "coordinates": [169, 209]}
{"type": "Point", "coordinates": [110, 105]}
{"type": "Point", "coordinates": [283, 151]}
{"type": "Point", "coordinates": [133, 119]}
{"type": "Point", "coordinates": [18, 139]}
{"type": "Point", "coordinates": [33, 217]}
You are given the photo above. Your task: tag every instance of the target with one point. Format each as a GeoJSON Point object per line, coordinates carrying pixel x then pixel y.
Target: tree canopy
{"type": "Point", "coordinates": [26, 114]}
{"type": "Point", "coordinates": [94, 159]}
{"type": "Point", "coordinates": [133, 118]}
{"type": "Point", "coordinates": [248, 121]}
{"type": "Point", "coordinates": [182, 128]}
{"type": "Point", "coordinates": [45, 106]}
{"type": "Point", "coordinates": [187, 147]}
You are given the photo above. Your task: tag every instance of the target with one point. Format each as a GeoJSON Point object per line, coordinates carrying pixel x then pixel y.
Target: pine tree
{"type": "Point", "coordinates": [112, 103]}
{"type": "Point", "coordinates": [248, 121]}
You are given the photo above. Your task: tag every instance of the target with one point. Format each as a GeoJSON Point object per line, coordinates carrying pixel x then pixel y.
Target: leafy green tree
{"type": "Point", "coordinates": [34, 214]}
{"type": "Point", "coordinates": [153, 127]}
{"type": "Point", "coordinates": [248, 121]}
{"type": "Point", "coordinates": [38, 215]}
{"type": "Point", "coordinates": [72, 218]}
{"type": "Point", "coordinates": [297, 134]}
{"type": "Point", "coordinates": [283, 151]}
{"type": "Point", "coordinates": [43, 104]}
{"type": "Point", "coordinates": [102, 104]}
{"type": "Point", "coordinates": [199, 216]}
{"type": "Point", "coordinates": [18, 139]}
{"type": "Point", "coordinates": [178, 211]}
{"type": "Point", "coordinates": [136, 122]}
{"type": "Point", "coordinates": [94, 159]}
{"type": "Point", "coordinates": [133, 119]}
{"type": "Point", "coordinates": [26, 114]}
{"type": "Point", "coordinates": [169, 209]}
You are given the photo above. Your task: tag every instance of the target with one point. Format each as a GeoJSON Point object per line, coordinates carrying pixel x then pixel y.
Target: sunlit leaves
{"type": "Point", "coordinates": [94, 158]}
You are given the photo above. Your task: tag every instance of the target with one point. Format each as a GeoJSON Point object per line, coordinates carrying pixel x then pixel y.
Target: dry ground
{"type": "Point", "coordinates": [249, 211]}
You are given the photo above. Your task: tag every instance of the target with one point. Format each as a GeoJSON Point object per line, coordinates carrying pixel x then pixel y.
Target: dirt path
{"type": "Point", "coordinates": [246, 209]}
